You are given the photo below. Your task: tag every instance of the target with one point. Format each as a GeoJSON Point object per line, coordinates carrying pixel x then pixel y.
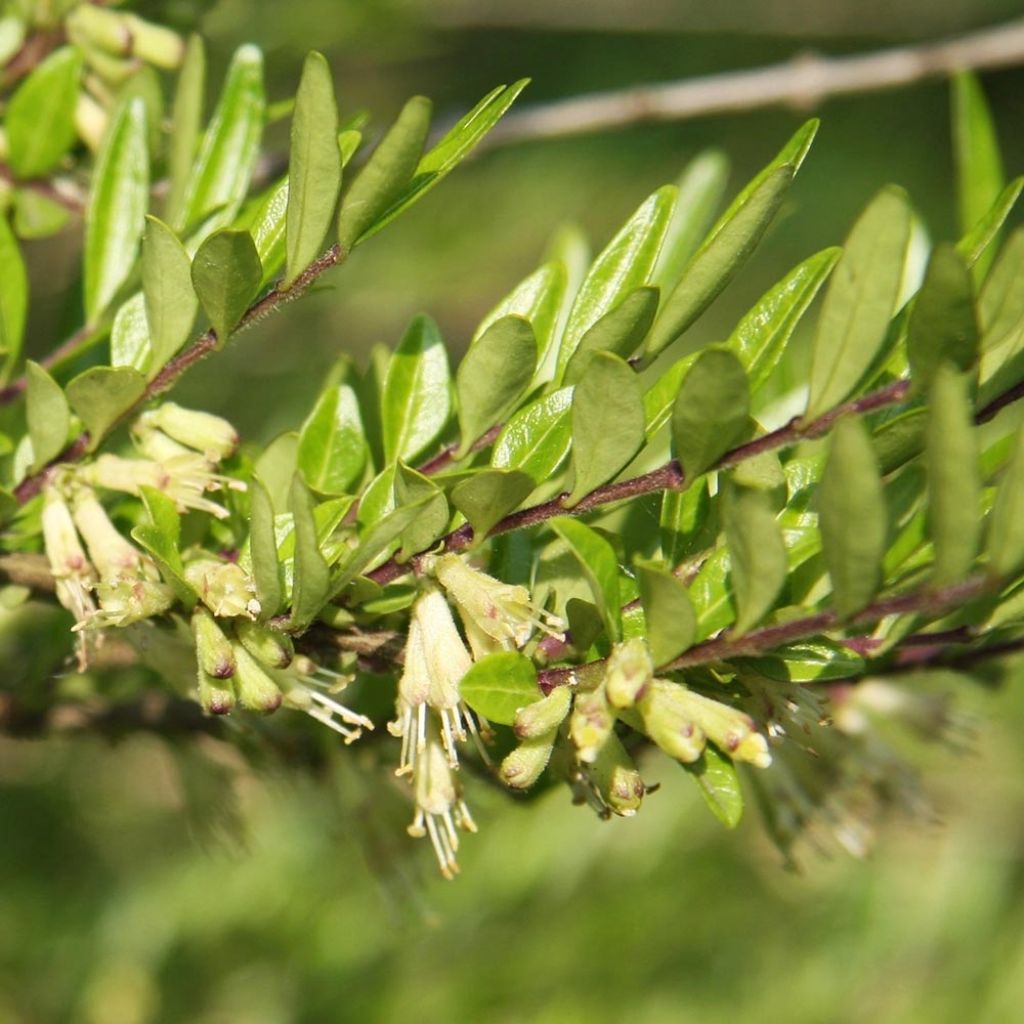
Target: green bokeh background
{"type": "Point", "coordinates": [155, 881]}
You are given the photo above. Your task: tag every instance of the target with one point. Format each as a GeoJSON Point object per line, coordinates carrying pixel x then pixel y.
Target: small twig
{"type": "Point", "coordinates": [803, 82]}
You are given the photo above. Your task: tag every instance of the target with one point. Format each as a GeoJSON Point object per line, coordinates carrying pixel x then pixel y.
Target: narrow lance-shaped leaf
{"type": "Point", "coordinates": [266, 570]}
{"type": "Point", "coordinates": [975, 243]}
{"type": "Point", "coordinates": [160, 536]}
{"type": "Point", "coordinates": [859, 301]}
{"type": "Point", "coordinates": [730, 242]}
{"type": "Point", "coordinates": [600, 567]}
{"type": "Point", "coordinates": [13, 298]}
{"type": "Point", "coordinates": [332, 446]}
{"type": "Point", "coordinates": [757, 555]}
{"type": "Point", "coordinates": [386, 174]}
{"type": "Point", "coordinates": [852, 517]}
{"type": "Point", "coordinates": [117, 208]}
{"type": "Point", "coordinates": [220, 176]}
{"type": "Point", "coordinates": [954, 479]}
{"type": "Point", "coordinates": [186, 120]}
{"type": "Point", "coordinates": [40, 119]}
{"type": "Point", "coordinates": [102, 395]}
{"type": "Point", "coordinates": [226, 275]}
{"type": "Point", "coordinates": [268, 229]}
{"type": "Point", "coordinates": [49, 417]}
{"type": "Point", "coordinates": [620, 331]}
{"type": "Point", "coordinates": [493, 375]}
{"type": "Point", "coordinates": [171, 301]}
{"type": "Point", "coordinates": [416, 401]}
{"type": "Point", "coordinates": [719, 784]}
{"type": "Point", "coordinates": [943, 327]}
{"type": "Point", "coordinates": [607, 423]}
{"type": "Point", "coordinates": [979, 164]}
{"type": "Point", "coordinates": [624, 265]}
{"type": "Point", "coordinates": [669, 615]}
{"type": "Point", "coordinates": [314, 169]}
{"type": "Point", "coordinates": [711, 412]}
{"type": "Point", "coordinates": [1005, 543]}
{"type": "Point", "coordinates": [312, 576]}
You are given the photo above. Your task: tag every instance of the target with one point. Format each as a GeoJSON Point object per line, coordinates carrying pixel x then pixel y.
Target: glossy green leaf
{"type": "Point", "coordinates": [116, 214]}
{"type": "Point", "coordinates": [979, 164]}
{"type": "Point", "coordinates": [129, 335]}
{"type": "Point", "coordinates": [711, 413]}
{"type": "Point", "coordinates": [701, 188]}
{"type": "Point", "coordinates": [186, 122]}
{"type": "Point", "coordinates": [13, 297]}
{"type": "Point", "coordinates": [757, 555]}
{"type": "Point", "coordinates": [226, 275]}
{"type": "Point", "coordinates": [102, 395]}
{"type": "Point", "coordinates": [975, 243]}
{"type": "Point", "coordinates": [1001, 315]}
{"type": "Point", "coordinates": [1005, 544]}
{"type": "Point", "coordinates": [49, 418]}
{"type": "Point", "coordinates": [493, 375]}
{"type": "Point", "coordinates": [220, 176]}
{"type": "Point", "coordinates": [37, 215]}
{"type": "Point", "coordinates": [498, 685]}
{"type": "Point", "coordinates": [624, 265]}
{"type": "Point", "coordinates": [730, 242]}
{"type": "Point", "coordinates": [266, 569]}
{"type": "Point", "coordinates": [314, 168]}
{"type": "Point", "coordinates": [537, 438]}
{"type": "Point", "coordinates": [411, 487]}
{"type": "Point", "coordinates": [489, 495]}
{"type": "Point", "coordinates": [268, 229]}
{"type": "Point", "coordinates": [810, 661]}
{"type": "Point", "coordinates": [312, 579]}
{"type": "Point", "coordinates": [852, 516]}
{"type": "Point", "coordinates": [171, 301]}
{"type": "Point", "coordinates": [332, 447]}
{"type": "Point", "coordinates": [661, 395]}
{"type": "Point", "coordinates": [600, 567]}
{"type": "Point", "coordinates": [145, 85]}
{"type": "Point", "coordinates": [386, 174]}
{"type": "Point", "coordinates": [620, 331]}
{"type": "Point", "coordinates": [668, 613]}
{"type": "Point", "coordinates": [859, 301]}
{"type": "Point", "coordinates": [760, 338]}
{"type": "Point", "coordinates": [160, 537]}
{"type": "Point", "coordinates": [687, 522]}
{"type": "Point", "coordinates": [954, 478]}
{"type": "Point", "coordinates": [416, 400]}
{"type": "Point", "coordinates": [607, 423]}
{"type": "Point", "coordinates": [719, 784]}
{"type": "Point", "coordinates": [943, 327]}
{"type": "Point", "coordinates": [40, 118]}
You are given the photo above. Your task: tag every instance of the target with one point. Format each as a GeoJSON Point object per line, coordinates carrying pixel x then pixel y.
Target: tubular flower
{"type": "Point", "coordinates": [306, 686]}
{"type": "Point", "coordinates": [203, 432]}
{"type": "Point", "coordinates": [72, 572]}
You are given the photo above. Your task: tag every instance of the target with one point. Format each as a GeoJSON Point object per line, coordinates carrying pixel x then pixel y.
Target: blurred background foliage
{"type": "Point", "coordinates": [156, 880]}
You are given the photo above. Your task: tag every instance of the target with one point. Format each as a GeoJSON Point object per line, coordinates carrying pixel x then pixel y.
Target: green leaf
{"type": "Point", "coordinates": [624, 265]}
{"type": "Point", "coordinates": [719, 784]}
{"type": "Point", "coordinates": [701, 187]}
{"type": "Point", "coordinates": [537, 438]}
{"type": "Point", "coordinates": [40, 121]}
{"type": "Point", "coordinates": [37, 216]}
{"type": "Point", "coordinates": [620, 331]}
{"type": "Point", "coordinates": [312, 580]}
{"type": "Point", "coordinates": [412, 487]}
{"type": "Point", "coordinates": [102, 395]}
{"type": "Point", "coordinates": [13, 297]}
{"type": "Point", "coordinates": [49, 417]}
{"type": "Point", "coordinates": [314, 168]}
{"type": "Point", "coordinates": [498, 685]}
{"type": "Point", "coordinates": [266, 569]}
{"type": "Point", "coordinates": [492, 376]}
{"type": "Point", "coordinates": [943, 327]}
{"type": "Point", "coordinates": [1005, 545]}
{"type": "Point", "coordinates": [760, 338]}
{"type": "Point", "coordinates": [117, 208]}
{"type": "Point", "coordinates": [810, 661]}
{"type": "Point", "coordinates": [711, 412]}
{"type": "Point", "coordinates": [332, 445]}
{"type": "Point", "coordinates": [386, 174]}
{"type": "Point", "coordinates": [979, 165]}
{"type": "Point", "coordinates": [161, 537]}
{"type": "Point", "coordinates": [186, 121]}
{"type": "Point", "coordinates": [607, 423]}
{"type": "Point", "coordinates": [1001, 303]}
{"type": "Point", "coordinates": [730, 242]}
{"type": "Point", "coordinates": [276, 467]}
{"type": "Point", "coordinates": [489, 495]}
{"type": "Point", "coordinates": [416, 401]}
{"type": "Point", "coordinates": [671, 621]}
{"type": "Point", "coordinates": [859, 302]}
{"type": "Point", "coordinates": [687, 522]}
{"type": "Point", "coordinates": [171, 301]}
{"type": "Point", "coordinates": [661, 395]}
{"type": "Point", "coordinates": [226, 275]}
{"type": "Point", "coordinates": [220, 176]}
{"type": "Point", "coordinates": [600, 567]}
{"type": "Point", "coordinates": [852, 516]}
{"type": "Point", "coordinates": [976, 241]}
{"type": "Point", "coordinates": [129, 335]}
{"type": "Point", "coordinates": [954, 479]}
{"type": "Point", "coordinates": [757, 555]}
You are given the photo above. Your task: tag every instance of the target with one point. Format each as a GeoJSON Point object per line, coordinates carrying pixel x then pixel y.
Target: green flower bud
{"type": "Point", "coordinates": [154, 43]}
{"type": "Point", "coordinates": [630, 671]}
{"type": "Point", "coordinates": [224, 587]}
{"type": "Point", "coordinates": [730, 729]}
{"type": "Point", "coordinates": [668, 721]}
{"type": "Point", "coordinates": [591, 723]}
{"type": "Point", "coordinates": [112, 555]}
{"type": "Point", "coordinates": [200, 431]}
{"type": "Point", "coordinates": [214, 652]}
{"type": "Point", "coordinates": [525, 765]}
{"type": "Point", "coordinates": [128, 600]}
{"type": "Point", "coordinates": [155, 444]}
{"type": "Point", "coordinates": [89, 25]}
{"type": "Point", "coordinates": [90, 121]}
{"type": "Point", "coordinates": [615, 778]}
{"type": "Point", "coordinates": [266, 645]}
{"type": "Point", "coordinates": [256, 690]}
{"type": "Point", "coordinates": [217, 696]}
{"type": "Point", "coordinates": [544, 715]}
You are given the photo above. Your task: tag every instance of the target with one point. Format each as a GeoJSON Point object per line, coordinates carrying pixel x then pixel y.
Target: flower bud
{"type": "Point", "coordinates": [526, 763]}
{"type": "Point", "coordinates": [591, 723]}
{"type": "Point", "coordinates": [129, 600]}
{"type": "Point", "coordinates": [200, 431]}
{"type": "Point", "coordinates": [89, 25]}
{"type": "Point", "coordinates": [217, 696]}
{"type": "Point", "coordinates": [90, 121]}
{"type": "Point", "coordinates": [68, 563]}
{"type": "Point", "coordinates": [268, 646]}
{"type": "Point", "coordinates": [154, 43]}
{"type": "Point", "coordinates": [732, 731]}
{"type": "Point", "coordinates": [668, 721]}
{"type": "Point", "coordinates": [544, 715]}
{"type": "Point", "coordinates": [256, 690]}
{"type": "Point", "coordinates": [155, 444]}
{"type": "Point", "coordinates": [214, 652]}
{"type": "Point", "coordinates": [615, 778]}
{"type": "Point", "coordinates": [112, 555]}
{"type": "Point", "coordinates": [224, 587]}
{"type": "Point", "coordinates": [630, 671]}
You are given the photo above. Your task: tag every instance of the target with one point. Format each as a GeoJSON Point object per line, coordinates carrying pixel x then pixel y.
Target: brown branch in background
{"type": "Point", "coordinates": [27, 570]}
{"type": "Point", "coordinates": [57, 190]}
{"type": "Point", "coordinates": [802, 82]}
{"type": "Point", "coordinates": [36, 48]}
